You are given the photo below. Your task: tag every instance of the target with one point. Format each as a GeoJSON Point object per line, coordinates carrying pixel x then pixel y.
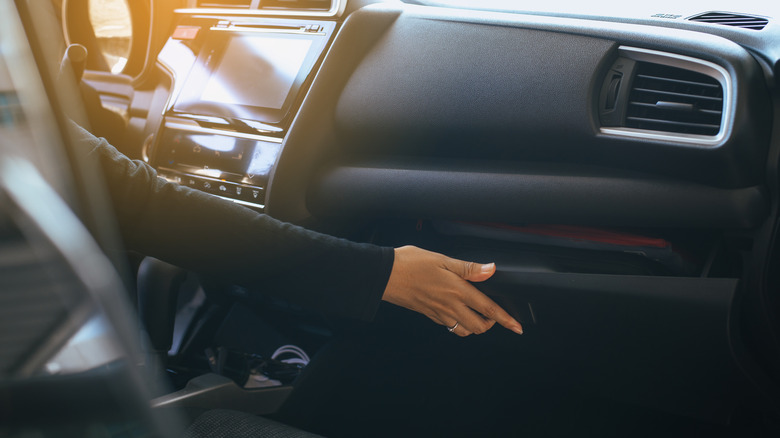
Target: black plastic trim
{"type": "Point", "coordinates": [536, 194]}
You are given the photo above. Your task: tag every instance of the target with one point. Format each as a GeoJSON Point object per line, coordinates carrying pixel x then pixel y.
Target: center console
{"type": "Point", "coordinates": [236, 80]}
{"type": "Point", "coordinates": [237, 83]}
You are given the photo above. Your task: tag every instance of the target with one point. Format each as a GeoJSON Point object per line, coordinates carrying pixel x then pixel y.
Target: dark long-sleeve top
{"type": "Point", "coordinates": [213, 236]}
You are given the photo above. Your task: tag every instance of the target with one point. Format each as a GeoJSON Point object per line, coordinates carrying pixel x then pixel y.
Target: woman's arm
{"type": "Point", "coordinates": [213, 236]}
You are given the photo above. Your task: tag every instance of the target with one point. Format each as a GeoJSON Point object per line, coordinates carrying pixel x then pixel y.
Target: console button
{"type": "Point", "coordinates": [210, 186]}
{"type": "Point", "coordinates": [258, 195]}
{"type": "Point", "coordinates": [255, 195]}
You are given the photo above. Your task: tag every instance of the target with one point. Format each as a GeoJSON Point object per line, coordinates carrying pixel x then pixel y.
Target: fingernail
{"type": "Point", "coordinates": [488, 268]}
{"type": "Point", "coordinates": [518, 329]}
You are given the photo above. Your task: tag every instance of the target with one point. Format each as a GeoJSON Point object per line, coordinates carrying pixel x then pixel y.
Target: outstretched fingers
{"type": "Point", "coordinates": [491, 311]}
{"type": "Point", "coordinates": [479, 302]}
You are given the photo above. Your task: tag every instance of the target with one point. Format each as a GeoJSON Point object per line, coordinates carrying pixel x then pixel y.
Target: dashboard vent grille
{"type": "Point", "coordinates": [240, 4]}
{"type": "Point", "coordinates": [312, 5]}
{"type": "Point", "coordinates": [726, 19]}
{"type": "Point", "coordinates": [294, 5]}
{"type": "Point", "coordinates": [672, 99]}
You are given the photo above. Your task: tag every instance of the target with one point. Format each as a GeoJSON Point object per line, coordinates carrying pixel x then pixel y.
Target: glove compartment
{"type": "Point", "coordinates": [625, 322]}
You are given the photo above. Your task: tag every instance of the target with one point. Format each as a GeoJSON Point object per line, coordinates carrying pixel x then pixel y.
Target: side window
{"type": "Point", "coordinates": [113, 28]}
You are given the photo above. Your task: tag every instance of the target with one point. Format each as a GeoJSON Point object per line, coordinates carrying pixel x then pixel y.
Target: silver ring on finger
{"type": "Point", "coordinates": [452, 329]}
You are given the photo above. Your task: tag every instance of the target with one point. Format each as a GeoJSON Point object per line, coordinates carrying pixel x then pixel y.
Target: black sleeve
{"type": "Point", "coordinates": [212, 236]}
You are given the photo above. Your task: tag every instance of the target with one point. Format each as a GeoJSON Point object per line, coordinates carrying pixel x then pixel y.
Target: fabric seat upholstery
{"type": "Point", "coordinates": [223, 423]}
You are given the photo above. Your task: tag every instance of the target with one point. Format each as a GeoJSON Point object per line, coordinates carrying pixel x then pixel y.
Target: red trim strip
{"type": "Point", "coordinates": [581, 233]}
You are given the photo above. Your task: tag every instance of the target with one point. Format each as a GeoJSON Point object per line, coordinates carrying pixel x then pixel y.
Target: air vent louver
{"type": "Point", "coordinates": [287, 5]}
{"type": "Point", "coordinates": [313, 5]}
{"type": "Point", "coordinates": [671, 99]}
{"type": "Point", "coordinates": [239, 4]}
{"type": "Point", "coordinates": [726, 19]}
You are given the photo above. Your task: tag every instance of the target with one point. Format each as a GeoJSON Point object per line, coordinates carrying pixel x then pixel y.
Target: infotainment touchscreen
{"type": "Point", "coordinates": [251, 73]}
{"type": "Point", "coordinates": [256, 71]}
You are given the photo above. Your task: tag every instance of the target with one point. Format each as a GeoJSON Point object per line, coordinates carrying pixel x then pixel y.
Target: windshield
{"type": "Point", "coordinates": [619, 8]}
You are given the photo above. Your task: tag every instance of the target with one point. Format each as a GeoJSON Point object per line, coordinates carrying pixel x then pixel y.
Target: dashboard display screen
{"type": "Point", "coordinates": [257, 71]}
{"type": "Point", "coordinates": [250, 74]}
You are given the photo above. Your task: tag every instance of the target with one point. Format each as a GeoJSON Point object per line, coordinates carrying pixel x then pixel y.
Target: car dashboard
{"type": "Point", "coordinates": [494, 92]}
{"type": "Point", "coordinates": [618, 163]}
{"type": "Point", "coordinates": [521, 137]}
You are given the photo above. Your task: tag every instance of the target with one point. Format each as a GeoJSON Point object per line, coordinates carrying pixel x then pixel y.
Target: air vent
{"type": "Point", "coordinates": [238, 4]}
{"type": "Point", "coordinates": [285, 5]}
{"type": "Point", "coordinates": [671, 99]}
{"type": "Point", "coordinates": [310, 5]}
{"type": "Point", "coordinates": [726, 19]}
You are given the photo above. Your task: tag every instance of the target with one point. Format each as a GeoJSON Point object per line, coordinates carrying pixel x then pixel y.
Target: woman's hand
{"type": "Point", "coordinates": [435, 285]}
